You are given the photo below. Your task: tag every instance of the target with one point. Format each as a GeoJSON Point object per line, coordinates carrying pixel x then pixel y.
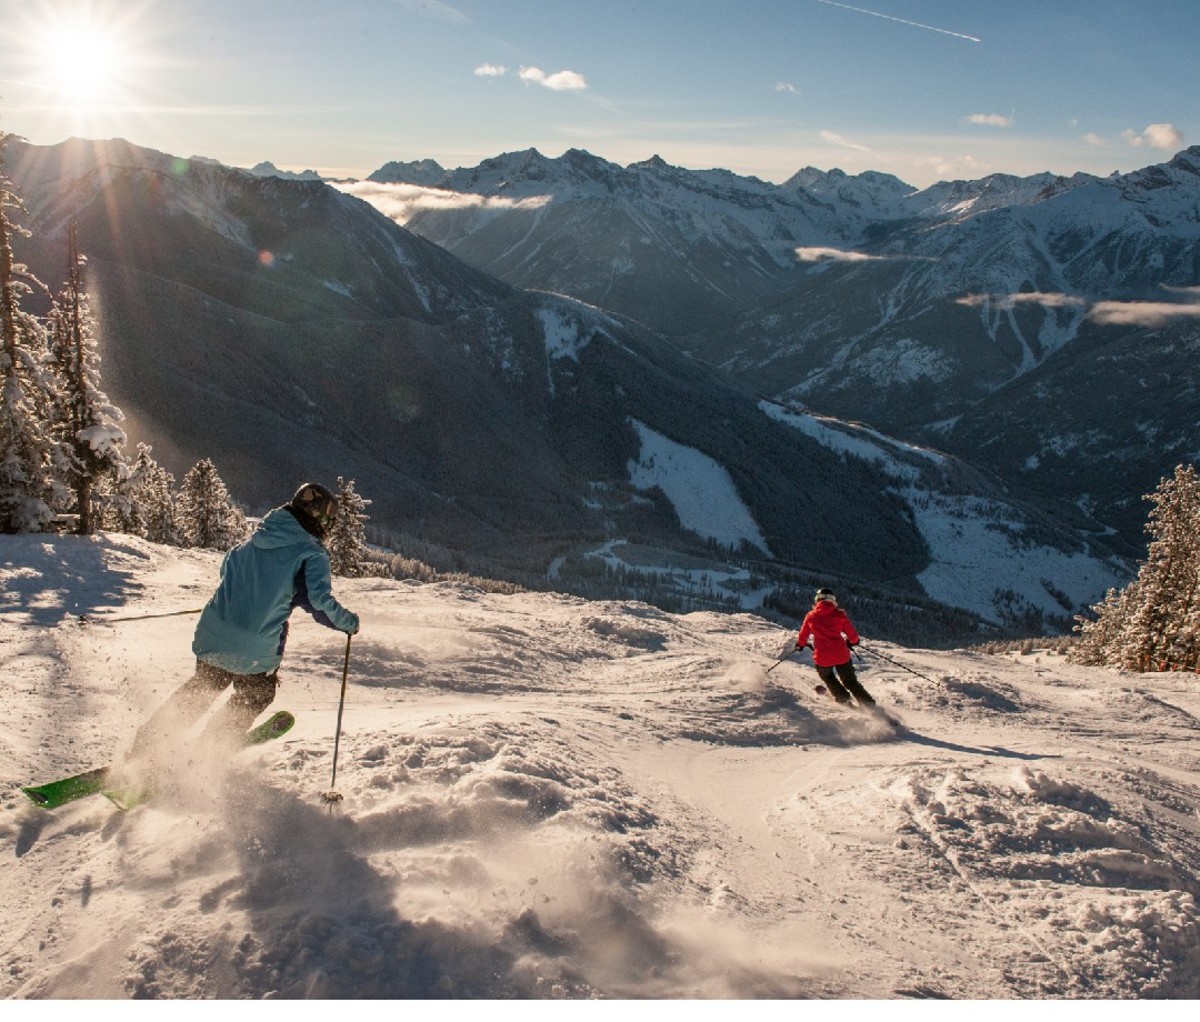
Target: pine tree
{"type": "Point", "coordinates": [151, 500]}
{"type": "Point", "coordinates": [92, 463]}
{"type": "Point", "coordinates": [1164, 624]}
{"type": "Point", "coordinates": [346, 542]}
{"type": "Point", "coordinates": [27, 489]}
{"type": "Point", "coordinates": [205, 513]}
{"type": "Point", "coordinates": [1154, 623]}
{"type": "Point", "coordinates": [1104, 639]}
{"type": "Point", "coordinates": [115, 506]}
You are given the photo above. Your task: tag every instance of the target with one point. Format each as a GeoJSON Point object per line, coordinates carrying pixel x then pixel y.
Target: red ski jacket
{"type": "Point", "coordinates": [827, 626]}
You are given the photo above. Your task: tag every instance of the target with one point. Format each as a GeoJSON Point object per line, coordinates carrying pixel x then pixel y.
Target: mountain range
{"type": "Point", "coordinates": [533, 428]}
{"type": "Point", "coordinates": [1042, 328]}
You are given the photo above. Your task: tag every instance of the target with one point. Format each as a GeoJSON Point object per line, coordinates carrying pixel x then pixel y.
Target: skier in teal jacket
{"type": "Point", "coordinates": [243, 628]}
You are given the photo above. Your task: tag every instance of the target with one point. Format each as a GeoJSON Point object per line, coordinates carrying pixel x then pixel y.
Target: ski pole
{"type": "Point", "coordinates": [331, 796]}
{"type": "Point", "coordinates": [85, 620]}
{"type": "Point", "coordinates": [778, 662]}
{"type": "Point", "coordinates": [884, 656]}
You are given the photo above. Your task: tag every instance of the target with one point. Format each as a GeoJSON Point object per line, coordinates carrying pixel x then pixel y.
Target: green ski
{"type": "Point", "coordinates": [57, 793]}
{"type": "Point", "coordinates": [138, 791]}
{"type": "Point", "coordinates": [273, 727]}
{"type": "Point", "coordinates": [91, 782]}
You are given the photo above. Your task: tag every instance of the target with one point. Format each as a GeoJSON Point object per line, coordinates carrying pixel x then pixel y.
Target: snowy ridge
{"type": "Point", "coordinates": [570, 326]}
{"type": "Point", "coordinates": [550, 798]}
{"type": "Point", "coordinates": [986, 561]}
{"type": "Point", "coordinates": [700, 490]}
{"type": "Point", "coordinates": [982, 555]}
{"type": "Point", "coordinates": [683, 250]}
{"type": "Point", "coordinates": [894, 457]}
{"type": "Point", "coordinates": [813, 206]}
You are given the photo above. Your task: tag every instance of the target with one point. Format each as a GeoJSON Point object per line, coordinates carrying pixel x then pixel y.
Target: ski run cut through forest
{"type": "Point", "coordinates": [549, 798]}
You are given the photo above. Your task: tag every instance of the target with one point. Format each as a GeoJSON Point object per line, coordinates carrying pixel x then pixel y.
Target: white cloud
{"type": "Point", "coordinates": [1107, 313]}
{"type": "Point", "coordinates": [1163, 136]}
{"type": "Point", "coordinates": [1092, 139]}
{"type": "Point", "coordinates": [1048, 300]}
{"type": "Point", "coordinates": [787, 87]}
{"type": "Point", "coordinates": [1156, 136]}
{"type": "Point", "coordinates": [840, 140]}
{"type": "Point", "coordinates": [815, 254]}
{"type": "Point", "coordinates": [560, 81]}
{"type": "Point", "coordinates": [991, 120]}
{"type": "Point", "coordinates": [401, 202]}
{"type": "Point", "coordinates": [821, 253]}
{"type": "Point", "coordinates": [1149, 314]}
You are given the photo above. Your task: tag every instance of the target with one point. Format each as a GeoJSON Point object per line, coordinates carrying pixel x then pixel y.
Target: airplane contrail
{"type": "Point", "coordinates": [915, 24]}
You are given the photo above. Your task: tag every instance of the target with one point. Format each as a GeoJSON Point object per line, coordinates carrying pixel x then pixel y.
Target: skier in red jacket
{"type": "Point", "coordinates": [831, 634]}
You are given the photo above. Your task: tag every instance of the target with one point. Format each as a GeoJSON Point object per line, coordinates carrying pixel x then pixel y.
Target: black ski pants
{"type": "Point", "coordinates": [842, 682]}
{"type": "Point", "coordinates": [252, 693]}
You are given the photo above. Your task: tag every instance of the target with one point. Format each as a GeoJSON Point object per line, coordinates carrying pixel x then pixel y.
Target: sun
{"type": "Point", "coordinates": [81, 61]}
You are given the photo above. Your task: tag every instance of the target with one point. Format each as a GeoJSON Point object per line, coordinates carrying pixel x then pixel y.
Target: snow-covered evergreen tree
{"type": "Point", "coordinates": [1154, 623]}
{"type": "Point", "coordinates": [149, 492]}
{"type": "Point", "coordinates": [27, 490]}
{"type": "Point", "coordinates": [116, 509]}
{"type": "Point", "coordinates": [83, 421]}
{"type": "Point", "coordinates": [1103, 639]}
{"type": "Point", "coordinates": [1164, 624]}
{"type": "Point", "coordinates": [346, 540]}
{"type": "Point", "coordinates": [205, 513]}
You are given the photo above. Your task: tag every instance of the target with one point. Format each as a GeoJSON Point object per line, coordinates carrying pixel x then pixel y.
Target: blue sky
{"type": "Point", "coordinates": [923, 89]}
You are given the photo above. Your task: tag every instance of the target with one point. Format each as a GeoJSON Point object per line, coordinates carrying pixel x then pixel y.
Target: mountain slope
{"type": "Point", "coordinates": [996, 337]}
{"type": "Point", "coordinates": [673, 249]}
{"type": "Point", "coordinates": [869, 300]}
{"type": "Point", "coordinates": [971, 298]}
{"type": "Point", "coordinates": [680, 250]}
{"type": "Point", "coordinates": [289, 331]}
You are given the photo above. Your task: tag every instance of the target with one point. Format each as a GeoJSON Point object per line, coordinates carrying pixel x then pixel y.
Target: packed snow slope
{"type": "Point", "coordinates": [551, 798]}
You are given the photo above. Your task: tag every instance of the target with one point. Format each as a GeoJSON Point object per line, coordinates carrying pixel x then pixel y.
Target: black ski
{"type": "Point", "coordinates": [872, 708]}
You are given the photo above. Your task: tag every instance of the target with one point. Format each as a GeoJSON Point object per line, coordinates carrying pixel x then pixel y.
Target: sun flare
{"type": "Point", "coordinates": [82, 62]}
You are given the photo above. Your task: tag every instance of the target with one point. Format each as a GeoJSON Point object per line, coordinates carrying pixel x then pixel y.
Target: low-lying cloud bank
{"type": "Point", "coordinates": [401, 202]}
{"type": "Point", "coordinates": [826, 254]}
{"type": "Point", "coordinates": [1142, 313]}
{"type": "Point", "coordinates": [1103, 313]}
{"type": "Point", "coordinates": [1049, 300]}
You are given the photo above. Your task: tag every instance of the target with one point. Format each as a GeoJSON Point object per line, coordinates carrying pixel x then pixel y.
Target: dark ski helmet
{"type": "Point", "coordinates": [825, 594]}
{"type": "Point", "coordinates": [314, 501]}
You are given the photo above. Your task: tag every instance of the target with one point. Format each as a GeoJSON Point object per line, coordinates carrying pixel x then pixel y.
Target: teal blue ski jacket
{"type": "Point", "coordinates": [244, 627]}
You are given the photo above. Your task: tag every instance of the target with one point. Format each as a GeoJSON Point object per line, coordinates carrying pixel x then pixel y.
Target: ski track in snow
{"type": "Point", "coordinates": [551, 798]}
